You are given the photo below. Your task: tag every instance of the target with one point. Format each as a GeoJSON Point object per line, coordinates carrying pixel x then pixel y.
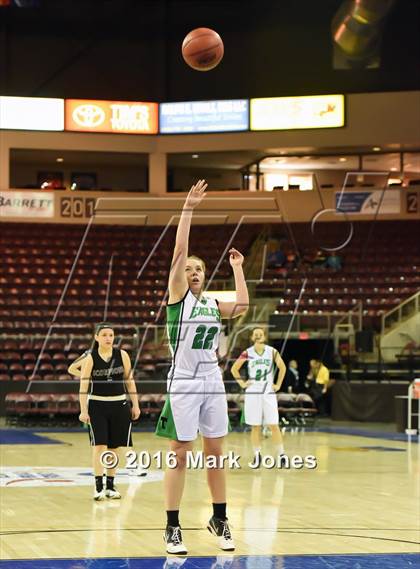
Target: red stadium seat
{"type": "Point", "coordinates": [29, 357]}
{"type": "Point", "coordinates": [66, 377]}
{"type": "Point", "coordinates": [45, 403]}
{"type": "Point", "coordinates": [50, 377]}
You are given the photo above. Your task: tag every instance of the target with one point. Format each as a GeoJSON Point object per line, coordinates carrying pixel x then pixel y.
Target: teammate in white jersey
{"type": "Point", "coordinates": [260, 389]}
{"type": "Point", "coordinates": [196, 400]}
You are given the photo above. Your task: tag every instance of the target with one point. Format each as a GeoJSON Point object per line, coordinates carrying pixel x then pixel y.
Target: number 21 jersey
{"type": "Point", "coordinates": [193, 328]}
{"type": "Point", "coordinates": [261, 369]}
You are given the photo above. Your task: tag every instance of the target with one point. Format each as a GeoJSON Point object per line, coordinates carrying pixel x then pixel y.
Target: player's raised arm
{"type": "Point", "coordinates": [241, 304]}
{"type": "Point", "coordinates": [178, 284]}
{"type": "Point", "coordinates": [278, 360]}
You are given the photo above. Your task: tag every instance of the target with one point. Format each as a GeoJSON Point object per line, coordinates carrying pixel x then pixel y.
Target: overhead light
{"type": "Point", "coordinates": [394, 169]}
{"type": "Point", "coordinates": [59, 159]}
{"type": "Point", "coordinates": [45, 185]}
{"type": "Point", "coordinates": [376, 148]}
{"type": "Point", "coordinates": [73, 186]}
{"type": "Point", "coordinates": [342, 159]}
{"type": "Point", "coordinates": [194, 155]}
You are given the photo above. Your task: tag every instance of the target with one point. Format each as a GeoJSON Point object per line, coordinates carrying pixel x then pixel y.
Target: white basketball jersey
{"type": "Point", "coordinates": [261, 368]}
{"type": "Point", "coordinates": [193, 327]}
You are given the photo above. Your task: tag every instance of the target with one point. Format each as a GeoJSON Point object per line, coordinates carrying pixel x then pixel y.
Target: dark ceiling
{"type": "Point", "coordinates": [130, 50]}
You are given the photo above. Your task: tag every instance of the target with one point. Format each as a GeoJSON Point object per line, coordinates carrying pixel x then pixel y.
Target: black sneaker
{"type": "Point", "coordinates": [173, 540]}
{"type": "Point", "coordinates": [220, 528]}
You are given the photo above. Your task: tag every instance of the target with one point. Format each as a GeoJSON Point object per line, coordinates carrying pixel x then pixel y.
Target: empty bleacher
{"type": "Point", "coordinates": [380, 269]}
{"type": "Point", "coordinates": [46, 283]}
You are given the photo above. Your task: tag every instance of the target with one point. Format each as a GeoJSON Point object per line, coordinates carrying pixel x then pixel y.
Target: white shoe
{"type": "Point", "coordinates": [113, 494]}
{"type": "Point", "coordinates": [173, 540]}
{"type": "Point", "coordinates": [220, 528]}
{"type": "Point", "coordinates": [99, 496]}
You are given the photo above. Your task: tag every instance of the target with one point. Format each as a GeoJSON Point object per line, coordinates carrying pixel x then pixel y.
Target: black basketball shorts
{"type": "Point", "coordinates": [110, 423]}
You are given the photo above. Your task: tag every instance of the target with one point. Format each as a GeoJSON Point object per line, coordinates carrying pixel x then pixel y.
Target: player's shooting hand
{"type": "Point", "coordinates": [196, 194]}
{"type": "Point", "coordinates": [84, 417]}
{"type": "Point", "coordinates": [235, 258]}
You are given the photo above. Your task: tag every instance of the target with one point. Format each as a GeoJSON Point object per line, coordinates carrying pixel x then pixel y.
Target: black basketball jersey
{"type": "Point", "coordinates": [107, 377]}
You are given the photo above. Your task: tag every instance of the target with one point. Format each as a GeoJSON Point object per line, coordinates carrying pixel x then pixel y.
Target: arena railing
{"type": "Point", "coordinates": [404, 310]}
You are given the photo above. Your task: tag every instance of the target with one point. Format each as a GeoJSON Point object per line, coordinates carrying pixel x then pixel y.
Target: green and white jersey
{"type": "Point", "coordinates": [193, 327]}
{"type": "Point", "coordinates": [261, 367]}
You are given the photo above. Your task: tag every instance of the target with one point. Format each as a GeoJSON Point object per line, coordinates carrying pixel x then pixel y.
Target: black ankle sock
{"type": "Point", "coordinates": [99, 483]}
{"type": "Point", "coordinates": [219, 511]}
{"type": "Point", "coordinates": [110, 483]}
{"type": "Point", "coordinates": [172, 517]}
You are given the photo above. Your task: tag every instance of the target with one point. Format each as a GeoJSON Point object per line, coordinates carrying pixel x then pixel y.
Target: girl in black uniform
{"type": "Point", "coordinates": [106, 377]}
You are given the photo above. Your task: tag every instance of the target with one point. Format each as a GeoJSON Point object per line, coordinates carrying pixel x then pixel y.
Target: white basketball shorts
{"type": "Point", "coordinates": [196, 405]}
{"type": "Point", "coordinates": [261, 408]}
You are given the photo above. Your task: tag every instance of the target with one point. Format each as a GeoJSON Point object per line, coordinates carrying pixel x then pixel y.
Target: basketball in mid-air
{"type": "Point", "coordinates": [202, 49]}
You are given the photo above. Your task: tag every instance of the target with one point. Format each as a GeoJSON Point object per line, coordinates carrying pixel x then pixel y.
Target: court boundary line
{"type": "Point", "coordinates": [347, 431]}
{"type": "Point", "coordinates": [240, 555]}
{"type": "Point", "coordinates": [277, 530]}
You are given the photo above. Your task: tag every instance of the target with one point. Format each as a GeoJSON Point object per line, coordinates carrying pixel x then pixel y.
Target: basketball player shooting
{"type": "Point", "coordinates": [196, 400]}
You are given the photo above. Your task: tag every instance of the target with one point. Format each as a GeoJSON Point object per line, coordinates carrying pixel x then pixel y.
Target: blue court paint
{"type": "Point", "coordinates": [372, 434]}
{"type": "Point", "coordinates": [72, 429]}
{"type": "Point", "coordinates": [24, 437]}
{"type": "Point", "coordinates": [370, 561]}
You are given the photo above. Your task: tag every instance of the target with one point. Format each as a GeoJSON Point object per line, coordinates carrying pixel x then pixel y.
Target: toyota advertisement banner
{"type": "Point", "coordinates": [111, 116]}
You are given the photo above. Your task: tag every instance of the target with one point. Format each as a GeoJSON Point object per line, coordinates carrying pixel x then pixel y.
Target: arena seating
{"type": "Point", "coordinates": [35, 267]}
{"type": "Point", "coordinates": [51, 409]}
{"type": "Point", "coordinates": [379, 267]}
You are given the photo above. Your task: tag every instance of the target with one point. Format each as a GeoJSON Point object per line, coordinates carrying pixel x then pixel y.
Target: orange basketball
{"type": "Point", "coordinates": [202, 49]}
